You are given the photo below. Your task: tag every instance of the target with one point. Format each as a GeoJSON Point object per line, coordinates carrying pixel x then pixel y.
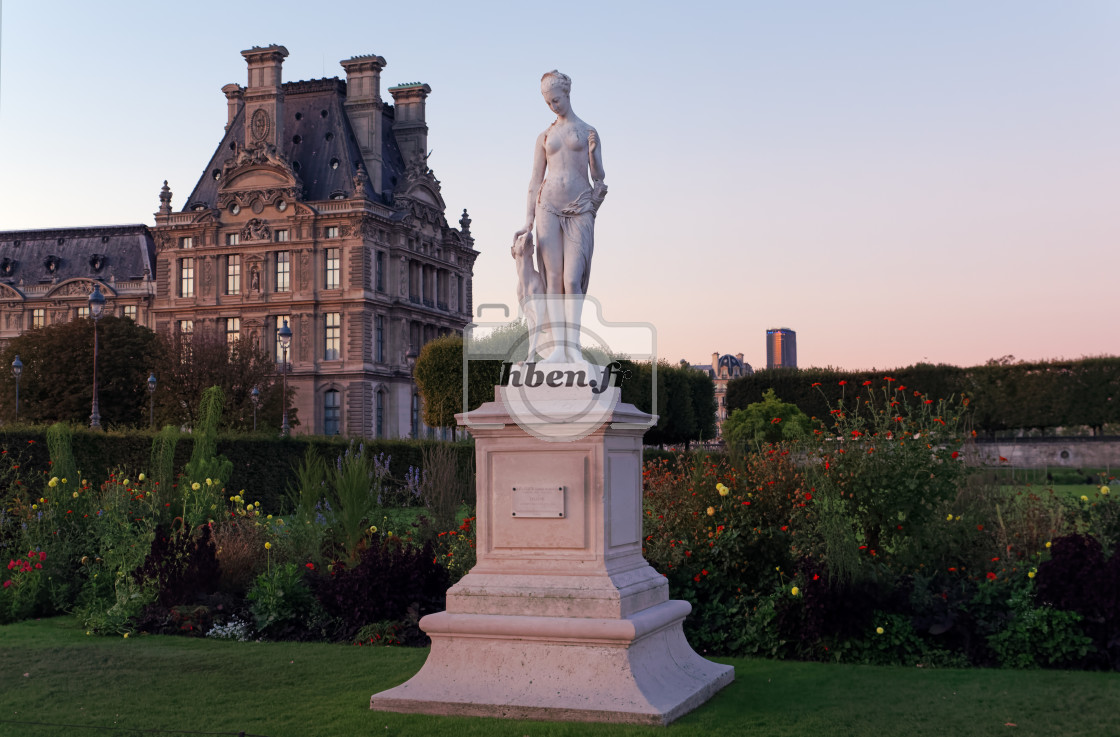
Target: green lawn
{"type": "Point", "coordinates": [50, 672]}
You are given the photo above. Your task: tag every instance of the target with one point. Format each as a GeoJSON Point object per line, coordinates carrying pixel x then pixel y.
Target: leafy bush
{"type": "Point", "coordinates": [283, 606]}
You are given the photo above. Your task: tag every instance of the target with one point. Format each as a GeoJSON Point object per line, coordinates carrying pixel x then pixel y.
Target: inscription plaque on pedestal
{"type": "Point", "coordinates": [538, 501]}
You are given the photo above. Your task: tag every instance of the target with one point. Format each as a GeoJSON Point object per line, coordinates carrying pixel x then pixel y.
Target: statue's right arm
{"type": "Point", "coordinates": [536, 179]}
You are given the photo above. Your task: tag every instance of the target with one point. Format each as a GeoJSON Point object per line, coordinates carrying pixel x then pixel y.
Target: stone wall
{"type": "Point", "coordinates": [1087, 452]}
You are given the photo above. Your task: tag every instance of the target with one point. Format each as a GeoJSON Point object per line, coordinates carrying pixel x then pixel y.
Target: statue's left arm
{"type": "Point", "coordinates": [595, 163]}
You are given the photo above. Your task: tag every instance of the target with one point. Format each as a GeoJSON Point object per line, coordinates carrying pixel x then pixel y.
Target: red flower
{"type": "Point", "coordinates": [7, 584]}
{"type": "Point", "coordinates": [887, 378]}
{"type": "Point", "coordinates": [704, 571]}
{"type": "Point", "coordinates": [856, 433]}
{"type": "Point", "coordinates": [43, 555]}
{"type": "Point", "coordinates": [816, 383]}
{"type": "Point", "coordinates": [310, 566]}
{"type": "Point", "coordinates": [955, 454]}
{"type": "Point", "coordinates": [952, 570]}
{"type": "Point", "coordinates": [867, 383]}
{"type": "Point", "coordinates": [785, 527]}
{"type": "Point", "coordinates": [842, 383]}
{"type": "Point", "coordinates": [991, 576]}
{"type": "Point", "coordinates": [980, 527]}
{"type": "Point", "coordinates": [1002, 459]}
{"type": "Point", "coordinates": [929, 401]}
{"type": "Point", "coordinates": [775, 421]}
{"type": "Point", "coordinates": [696, 578]}
{"type": "Point", "coordinates": [808, 496]}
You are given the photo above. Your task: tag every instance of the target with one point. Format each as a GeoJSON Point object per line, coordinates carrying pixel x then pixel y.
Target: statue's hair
{"type": "Point", "coordinates": [557, 79]}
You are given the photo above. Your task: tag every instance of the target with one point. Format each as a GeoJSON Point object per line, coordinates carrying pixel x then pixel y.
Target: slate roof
{"type": "Point", "coordinates": [27, 256]}
{"type": "Point", "coordinates": [317, 133]}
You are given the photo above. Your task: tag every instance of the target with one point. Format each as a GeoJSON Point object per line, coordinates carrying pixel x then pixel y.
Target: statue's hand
{"type": "Point", "coordinates": [592, 141]}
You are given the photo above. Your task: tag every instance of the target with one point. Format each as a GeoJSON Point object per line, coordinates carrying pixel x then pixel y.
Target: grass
{"type": "Point", "coordinates": [51, 673]}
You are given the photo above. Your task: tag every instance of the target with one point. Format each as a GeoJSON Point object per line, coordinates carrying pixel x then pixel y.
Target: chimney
{"type": "Point", "coordinates": [363, 107]}
{"type": "Point", "coordinates": [235, 100]}
{"type": "Point", "coordinates": [264, 97]}
{"type": "Point", "coordinates": [715, 361]}
{"type": "Point", "coordinates": [409, 124]}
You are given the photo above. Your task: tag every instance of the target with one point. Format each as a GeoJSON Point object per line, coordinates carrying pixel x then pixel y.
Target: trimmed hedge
{"type": "Point", "coordinates": [263, 466]}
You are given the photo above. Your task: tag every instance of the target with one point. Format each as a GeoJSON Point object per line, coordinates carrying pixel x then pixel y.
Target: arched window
{"type": "Point", "coordinates": [332, 412]}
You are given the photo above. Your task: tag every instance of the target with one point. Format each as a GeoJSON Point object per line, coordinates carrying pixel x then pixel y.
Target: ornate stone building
{"type": "Point", "coordinates": [46, 276]}
{"type": "Point", "coordinates": [317, 208]}
{"type": "Point", "coordinates": [722, 370]}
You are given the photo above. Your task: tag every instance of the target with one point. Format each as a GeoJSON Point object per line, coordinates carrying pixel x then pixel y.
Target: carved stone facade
{"type": "Point", "coordinates": [317, 207]}
{"type": "Point", "coordinates": [722, 370]}
{"type": "Point", "coordinates": [46, 276]}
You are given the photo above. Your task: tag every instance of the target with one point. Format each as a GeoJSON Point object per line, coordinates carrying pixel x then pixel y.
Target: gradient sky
{"type": "Point", "coordinates": [897, 182]}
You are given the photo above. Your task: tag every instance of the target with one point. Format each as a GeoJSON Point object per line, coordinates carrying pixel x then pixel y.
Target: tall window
{"type": "Point", "coordinates": [461, 293]}
{"type": "Point", "coordinates": [130, 311]}
{"type": "Point", "coordinates": [333, 268]}
{"type": "Point", "coordinates": [186, 277]}
{"type": "Point", "coordinates": [38, 317]}
{"type": "Point", "coordinates": [379, 339]}
{"type": "Point", "coordinates": [186, 327]}
{"type": "Point", "coordinates": [283, 271]}
{"type": "Point", "coordinates": [186, 242]}
{"type": "Point", "coordinates": [282, 236]}
{"type": "Point", "coordinates": [276, 333]}
{"type": "Point", "coordinates": [233, 239]}
{"type": "Point", "coordinates": [233, 274]}
{"type": "Point", "coordinates": [380, 271]}
{"type": "Point", "coordinates": [333, 336]}
{"type": "Point", "coordinates": [332, 412]}
{"type": "Point", "coordinates": [233, 330]}
{"type": "Point", "coordinates": [330, 231]}
{"type": "Point", "coordinates": [379, 426]}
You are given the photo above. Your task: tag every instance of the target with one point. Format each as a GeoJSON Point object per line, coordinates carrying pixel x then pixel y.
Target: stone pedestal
{"type": "Point", "coordinates": [561, 617]}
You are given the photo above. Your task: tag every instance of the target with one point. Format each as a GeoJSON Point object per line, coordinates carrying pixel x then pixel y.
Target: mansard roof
{"type": "Point", "coordinates": [121, 252]}
{"type": "Point", "coordinates": [317, 134]}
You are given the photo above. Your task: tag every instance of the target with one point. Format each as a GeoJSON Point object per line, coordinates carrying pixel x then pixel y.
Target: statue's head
{"type": "Point", "coordinates": [556, 88]}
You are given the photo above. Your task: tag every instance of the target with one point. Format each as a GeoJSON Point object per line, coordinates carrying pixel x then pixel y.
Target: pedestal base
{"type": "Point", "coordinates": [637, 669]}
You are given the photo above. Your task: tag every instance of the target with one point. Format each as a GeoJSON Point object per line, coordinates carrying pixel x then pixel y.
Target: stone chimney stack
{"type": "Point", "coordinates": [235, 101]}
{"type": "Point", "coordinates": [739, 356]}
{"type": "Point", "coordinates": [264, 96]}
{"type": "Point", "coordinates": [715, 361]}
{"type": "Point", "coordinates": [363, 107]}
{"type": "Point", "coordinates": [409, 124]}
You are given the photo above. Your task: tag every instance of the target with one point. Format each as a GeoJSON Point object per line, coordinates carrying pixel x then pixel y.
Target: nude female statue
{"type": "Point", "coordinates": [562, 204]}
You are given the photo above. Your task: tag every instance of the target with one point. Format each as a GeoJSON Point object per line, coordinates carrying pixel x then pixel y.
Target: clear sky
{"type": "Point", "coordinates": [896, 181]}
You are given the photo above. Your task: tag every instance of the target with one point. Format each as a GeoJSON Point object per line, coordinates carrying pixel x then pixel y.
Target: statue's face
{"type": "Point", "coordinates": [556, 99]}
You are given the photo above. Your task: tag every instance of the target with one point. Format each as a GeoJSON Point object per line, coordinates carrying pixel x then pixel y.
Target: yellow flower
{"type": "Point", "coordinates": [723, 490]}
{"type": "Point", "coordinates": [795, 591]}
{"type": "Point", "coordinates": [958, 518]}
{"type": "Point", "coordinates": [196, 486]}
{"type": "Point", "coordinates": [1105, 490]}
{"type": "Point", "coordinates": [64, 481]}
{"type": "Point", "coordinates": [209, 482]}
{"type": "Point", "coordinates": [878, 630]}
{"type": "Point", "coordinates": [1084, 498]}
{"type": "Point", "coordinates": [140, 477]}
{"type": "Point", "coordinates": [268, 546]}
{"type": "Point", "coordinates": [126, 635]}
{"type": "Point", "coordinates": [249, 507]}
{"type": "Point", "coordinates": [85, 559]}
{"type": "Point", "coordinates": [269, 517]}
{"type": "Point", "coordinates": [711, 511]}
{"type": "Point", "coordinates": [949, 518]}
{"type": "Point", "coordinates": [124, 483]}
{"type": "Point", "coordinates": [75, 495]}
{"type": "Point", "coordinates": [233, 498]}
{"type": "Point", "coordinates": [1047, 543]}
{"type": "Point", "coordinates": [1031, 574]}
{"type": "Point", "coordinates": [53, 482]}
{"type": "Point", "coordinates": [373, 528]}
{"type": "Point", "coordinates": [34, 506]}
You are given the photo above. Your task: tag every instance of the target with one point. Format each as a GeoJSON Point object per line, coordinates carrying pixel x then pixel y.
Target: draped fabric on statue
{"type": "Point", "coordinates": [577, 221]}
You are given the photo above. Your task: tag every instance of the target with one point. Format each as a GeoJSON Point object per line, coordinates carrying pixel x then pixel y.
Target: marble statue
{"type": "Point", "coordinates": [530, 287]}
{"type": "Point", "coordinates": [562, 202]}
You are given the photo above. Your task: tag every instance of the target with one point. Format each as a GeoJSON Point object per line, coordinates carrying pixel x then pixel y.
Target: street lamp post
{"type": "Point", "coordinates": [17, 371]}
{"type": "Point", "coordinates": [255, 397]}
{"type": "Point", "coordinates": [96, 307]}
{"type": "Point", "coordinates": [285, 336]}
{"type": "Point", "coordinates": [152, 399]}
{"type": "Point", "coordinates": [414, 408]}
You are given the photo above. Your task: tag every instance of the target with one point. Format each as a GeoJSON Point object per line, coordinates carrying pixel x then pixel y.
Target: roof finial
{"type": "Point", "coordinates": [465, 223]}
{"type": "Point", "coordinates": [165, 199]}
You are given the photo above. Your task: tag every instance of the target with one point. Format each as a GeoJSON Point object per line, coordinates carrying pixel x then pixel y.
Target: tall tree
{"type": "Point", "coordinates": [439, 377]}
{"type": "Point", "coordinates": [57, 380]}
{"type": "Point", "coordinates": [195, 361]}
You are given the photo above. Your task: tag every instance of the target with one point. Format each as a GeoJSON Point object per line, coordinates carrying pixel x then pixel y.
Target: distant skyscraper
{"type": "Point", "coordinates": [781, 348]}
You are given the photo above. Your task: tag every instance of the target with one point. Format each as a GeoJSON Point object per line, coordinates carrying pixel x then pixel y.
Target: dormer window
{"type": "Point", "coordinates": [186, 242]}
{"type": "Point", "coordinates": [331, 231]}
